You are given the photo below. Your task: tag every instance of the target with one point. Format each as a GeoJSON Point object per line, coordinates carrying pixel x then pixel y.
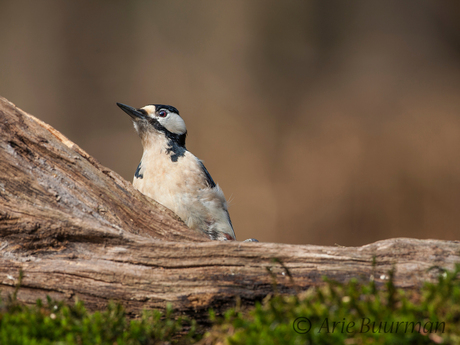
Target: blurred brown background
{"type": "Point", "coordinates": [323, 121]}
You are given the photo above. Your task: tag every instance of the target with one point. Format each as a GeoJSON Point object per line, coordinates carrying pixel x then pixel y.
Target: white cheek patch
{"type": "Point", "coordinates": [174, 123]}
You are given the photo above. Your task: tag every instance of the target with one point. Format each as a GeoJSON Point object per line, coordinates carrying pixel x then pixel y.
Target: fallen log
{"type": "Point", "coordinates": [78, 230]}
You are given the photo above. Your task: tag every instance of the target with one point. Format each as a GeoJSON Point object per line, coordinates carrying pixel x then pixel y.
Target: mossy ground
{"type": "Point", "coordinates": [352, 313]}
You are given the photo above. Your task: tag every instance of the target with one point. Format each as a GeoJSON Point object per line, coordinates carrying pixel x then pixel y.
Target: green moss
{"type": "Point", "coordinates": [352, 313]}
{"type": "Point", "coordinates": [57, 323]}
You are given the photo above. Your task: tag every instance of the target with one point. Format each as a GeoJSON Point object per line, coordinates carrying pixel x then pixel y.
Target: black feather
{"type": "Point", "coordinates": [229, 220]}
{"type": "Point", "coordinates": [138, 171]}
{"type": "Point", "coordinates": [209, 180]}
{"type": "Point", "coordinates": [176, 142]}
{"type": "Point", "coordinates": [167, 107]}
{"type": "Point", "coordinates": [175, 150]}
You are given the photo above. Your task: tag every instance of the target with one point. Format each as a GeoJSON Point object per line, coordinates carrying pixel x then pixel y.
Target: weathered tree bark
{"type": "Point", "coordinates": [77, 229]}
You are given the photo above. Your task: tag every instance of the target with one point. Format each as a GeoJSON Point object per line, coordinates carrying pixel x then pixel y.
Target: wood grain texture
{"type": "Point", "coordinates": [77, 229]}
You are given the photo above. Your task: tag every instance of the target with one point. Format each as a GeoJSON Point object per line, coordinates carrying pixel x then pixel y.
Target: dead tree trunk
{"type": "Point", "coordinates": [77, 229]}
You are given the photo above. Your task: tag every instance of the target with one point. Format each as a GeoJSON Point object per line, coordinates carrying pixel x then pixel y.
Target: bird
{"type": "Point", "coordinates": [173, 176]}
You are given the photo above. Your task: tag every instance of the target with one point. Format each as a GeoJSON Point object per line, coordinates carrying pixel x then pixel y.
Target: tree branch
{"type": "Point", "coordinates": [77, 229]}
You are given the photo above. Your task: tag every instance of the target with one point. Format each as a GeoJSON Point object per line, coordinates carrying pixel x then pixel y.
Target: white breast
{"type": "Point", "coordinates": [181, 187]}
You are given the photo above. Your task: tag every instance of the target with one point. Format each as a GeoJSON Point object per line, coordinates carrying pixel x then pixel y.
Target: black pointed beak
{"type": "Point", "coordinates": [133, 112]}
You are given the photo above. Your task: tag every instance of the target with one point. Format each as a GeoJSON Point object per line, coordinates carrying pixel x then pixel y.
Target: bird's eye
{"type": "Point", "coordinates": [162, 113]}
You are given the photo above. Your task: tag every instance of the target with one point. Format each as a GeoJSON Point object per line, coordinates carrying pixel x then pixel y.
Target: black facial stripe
{"type": "Point", "coordinates": [177, 138]}
{"type": "Point", "coordinates": [167, 107]}
{"type": "Point", "coordinates": [175, 150]}
{"type": "Point", "coordinates": [138, 171]}
{"type": "Point", "coordinates": [176, 142]}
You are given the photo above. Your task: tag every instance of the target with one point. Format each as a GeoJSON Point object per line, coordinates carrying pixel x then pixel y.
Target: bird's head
{"type": "Point", "coordinates": [157, 119]}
